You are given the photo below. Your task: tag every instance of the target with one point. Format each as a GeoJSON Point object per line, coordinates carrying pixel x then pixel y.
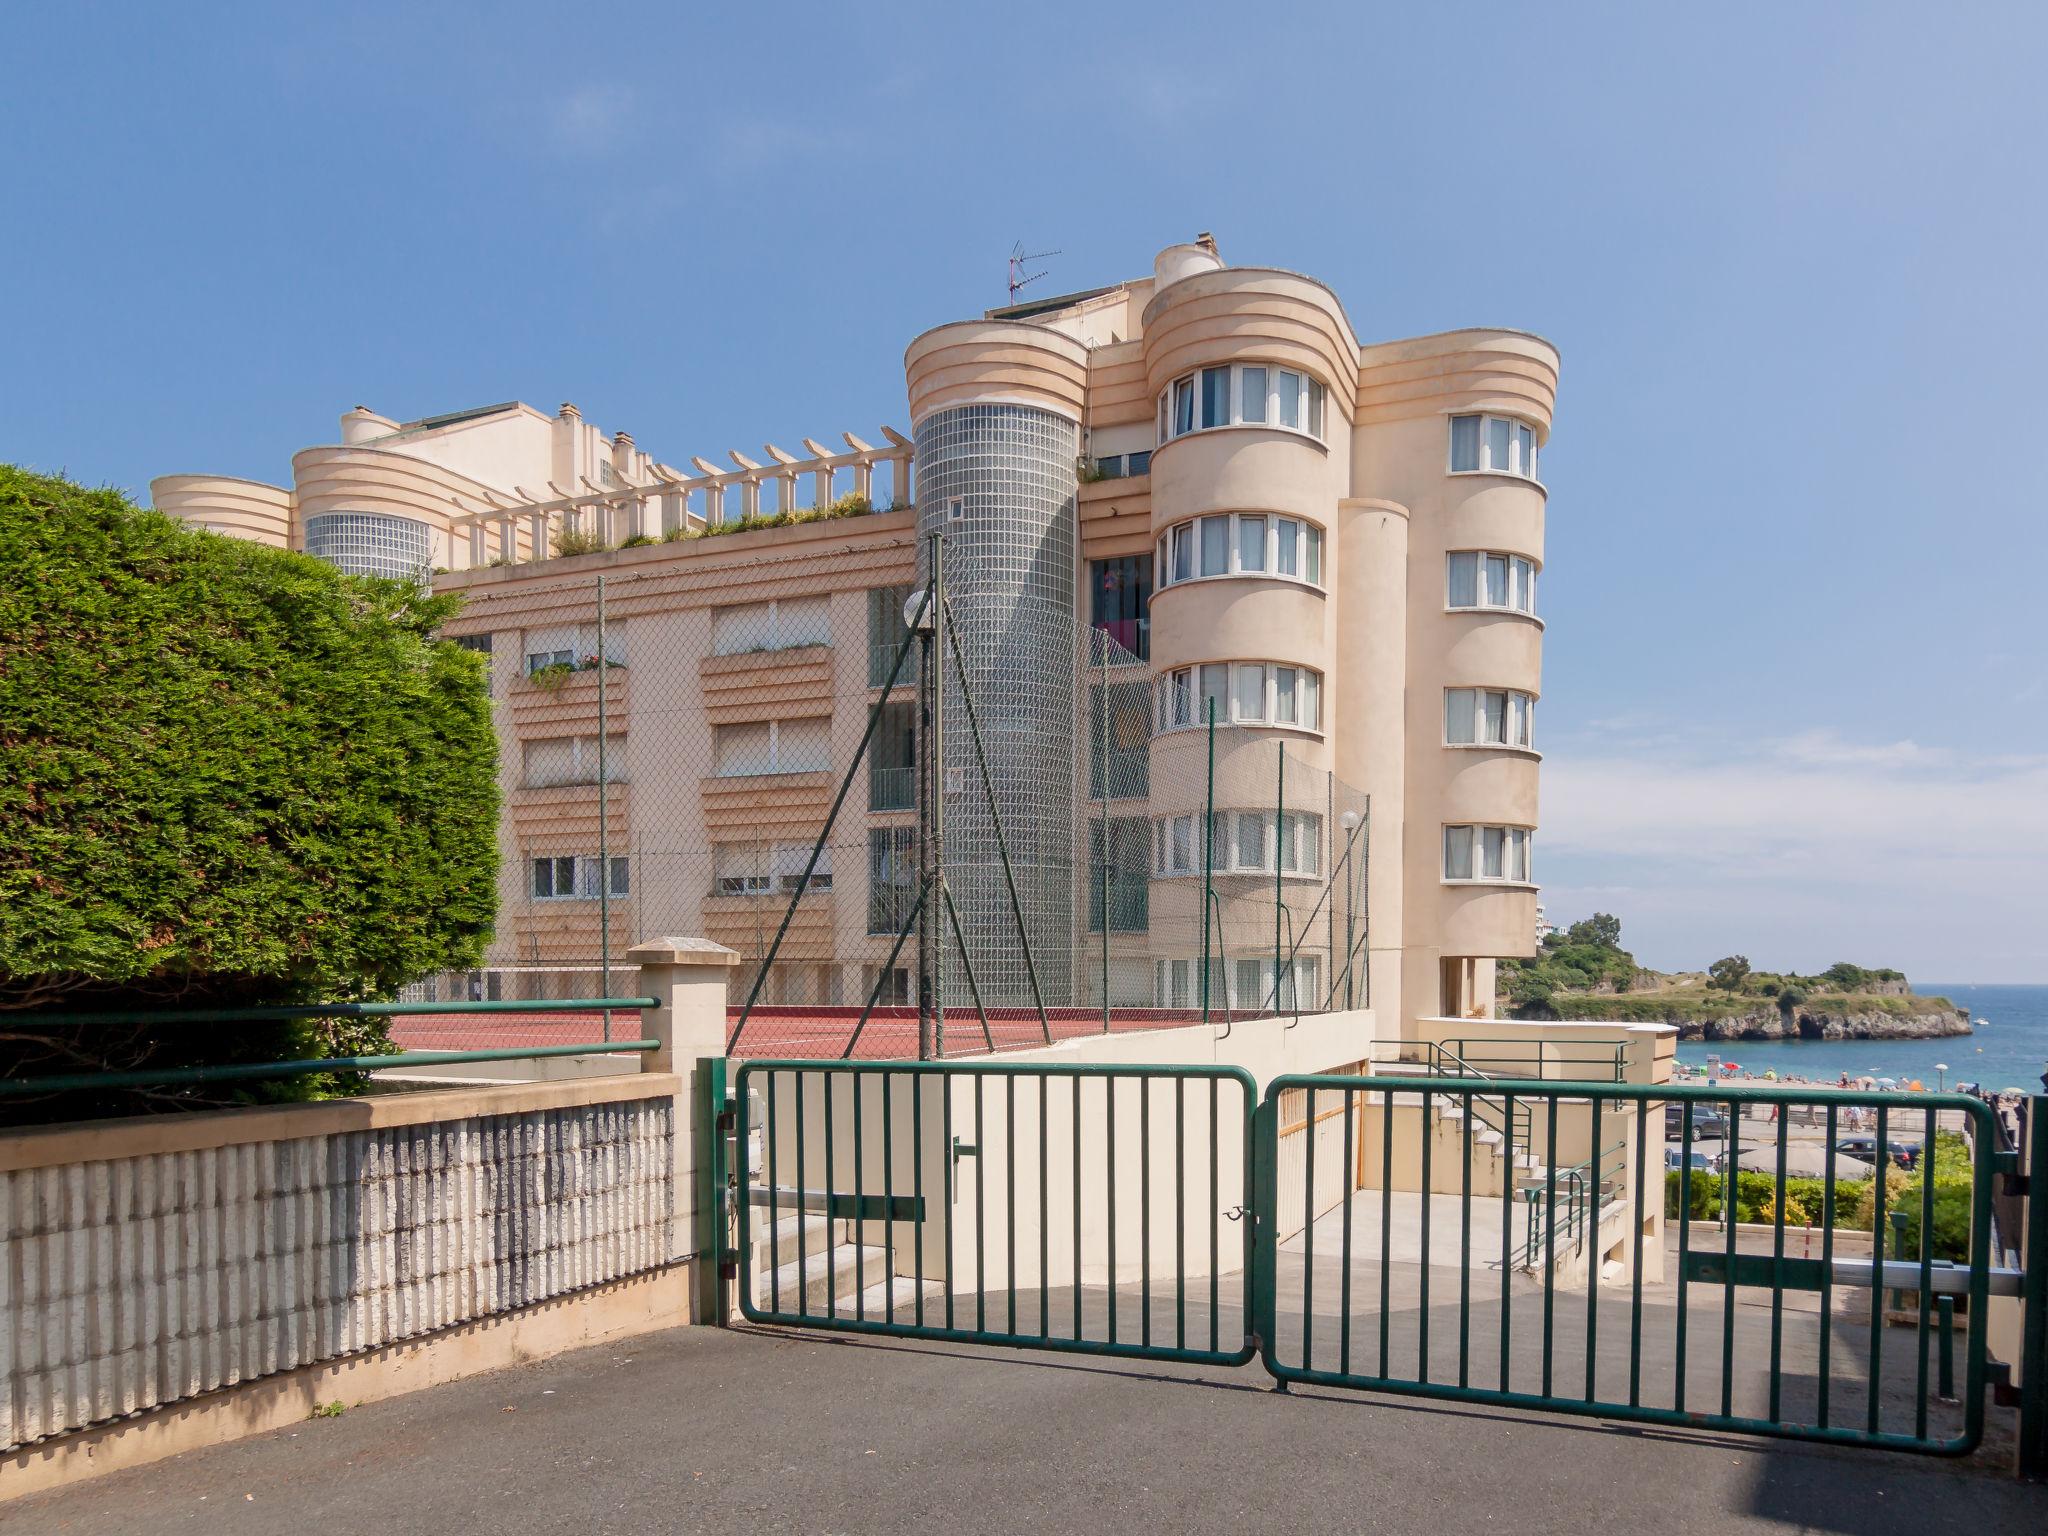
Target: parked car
{"type": "Point", "coordinates": [1905, 1153]}
{"type": "Point", "coordinates": [1674, 1160]}
{"type": "Point", "coordinates": [1708, 1122]}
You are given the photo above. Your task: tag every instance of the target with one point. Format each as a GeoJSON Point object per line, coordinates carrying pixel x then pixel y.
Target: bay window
{"type": "Point", "coordinates": [1242, 395]}
{"type": "Point", "coordinates": [1482, 853]}
{"type": "Point", "coordinates": [1489, 717]}
{"type": "Point", "coordinates": [1481, 578]}
{"type": "Point", "coordinates": [1497, 445]}
{"type": "Point", "coordinates": [1240, 544]}
{"type": "Point", "coordinates": [1240, 843]}
{"type": "Point", "coordinates": [1243, 692]}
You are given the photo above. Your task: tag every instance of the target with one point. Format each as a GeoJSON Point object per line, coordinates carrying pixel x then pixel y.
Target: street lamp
{"type": "Point", "coordinates": [1942, 1082]}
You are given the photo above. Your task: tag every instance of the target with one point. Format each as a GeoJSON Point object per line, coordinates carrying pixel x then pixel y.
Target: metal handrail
{"type": "Point", "coordinates": [1581, 1202]}
{"type": "Point", "coordinates": [1516, 1123]}
{"type": "Point", "coordinates": [1593, 1053]}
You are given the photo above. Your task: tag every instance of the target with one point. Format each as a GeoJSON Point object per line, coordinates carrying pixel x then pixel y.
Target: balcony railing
{"type": "Point", "coordinates": [892, 789]}
{"type": "Point", "coordinates": [881, 659]}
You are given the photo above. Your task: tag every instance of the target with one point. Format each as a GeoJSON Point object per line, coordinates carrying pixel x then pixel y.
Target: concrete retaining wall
{"type": "Point", "coordinates": [146, 1262]}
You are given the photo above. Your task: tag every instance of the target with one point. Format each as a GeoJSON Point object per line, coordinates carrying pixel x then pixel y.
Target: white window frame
{"type": "Point", "coordinates": [1310, 548]}
{"type": "Point", "coordinates": [1517, 714]}
{"type": "Point", "coordinates": [1244, 843]}
{"type": "Point", "coordinates": [1178, 698]}
{"type": "Point", "coordinates": [584, 873]}
{"type": "Point", "coordinates": [1517, 844]}
{"type": "Point", "coordinates": [1522, 585]}
{"type": "Point", "coordinates": [774, 747]}
{"type": "Point", "coordinates": [1517, 426]}
{"type": "Point", "coordinates": [1311, 401]}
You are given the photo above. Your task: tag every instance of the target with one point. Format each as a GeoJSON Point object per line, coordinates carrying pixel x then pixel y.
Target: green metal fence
{"type": "Point", "coordinates": [1382, 1241]}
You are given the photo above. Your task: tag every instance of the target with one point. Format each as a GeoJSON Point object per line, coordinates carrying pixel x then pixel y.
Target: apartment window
{"type": "Point", "coordinates": [1121, 878]}
{"type": "Point", "coordinates": [558, 760]}
{"type": "Point", "coordinates": [781, 625]}
{"type": "Point", "coordinates": [1241, 843]}
{"type": "Point", "coordinates": [1121, 466]}
{"type": "Point", "coordinates": [1259, 985]}
{"type": "Point", "coordinates": [1119, 741]}
{"type": "Point", "coordinates": [1240, 544]}
{"type": "Point", "coordinates": [575, 877]}
{"type": "Point", "coordinates": [1489, 717]}
{"type": "Point", "coordinates": [1243, 394]}
{"type": "Point", "coordinates": [481, 644]}
{"type": "Point", "coordinates": [892, 877]}
{"type": "Point", "coordinates": [572, 645]}
{"type": "Point", "coordinates": [1498, 445]}
{"type": "Point", "coordinates": [886, 632]}
{"type": "Point", "coordinates": [762, 869]}
{"type": "Point", "coordinates": [1120, 593]}
{"type": "Point", "coordinates": [772, 746]}
{"type": "Point", "coordinates": [892, 759]}
{"type": "Point", "coordinates": [1488, 853]}
{"type": "Point", "coordinates": [1244, 692]}
{"type": "Point", "coordinates": [1480, 578]}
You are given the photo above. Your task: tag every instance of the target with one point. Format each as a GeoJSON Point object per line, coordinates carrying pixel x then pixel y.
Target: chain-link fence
{"type": "Point", "coordinates": [733, 760]}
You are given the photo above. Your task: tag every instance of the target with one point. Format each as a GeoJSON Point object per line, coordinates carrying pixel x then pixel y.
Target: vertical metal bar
{"type": "Point", "coordinates": [1102, 771]}
{"type": "Point", "coordinates": [931, 933]}
{"type": "Point", "coordinates": [917, 1153]}
{"type": "Point", "coordinates": [1947, 1379]}
{"type": "Point", "coordinates": [1590, 1237]}
{"type": "Point", "coordinates": [1010, 1170]}
{"type": "Point", "coordinates": [604, 844]}
{"type": "Point", "coordinates": [2032, 1459]}
{"type": "Point", "coordinates": [1684, 1243]}
{"type": "Point", "coordinates": [1344, 1282]}
{"type": "Point", "coordinates": [947, 1144]}
{"type": "Point", "coordinates": [1422, 1304]}
{"type": "Point", "coordinates": [1261, 1221]}
{"type": "Point", "coordinates": [1465, 1245]}
{"type": "Point", "coordinates": [889, 1194]}
{"type": "Point", "coordinates": [967, 965]}
{"type": "Point", "coordinates": [825, 1082]}
{"type": "Point", "coordinates": [1507, 1227]}
{"type": "Point", "coordinates": [1386, 1219]}
{"type": "Point", "coordinates": [1635, 1316]}
{"type": "Point", "coordinates": [1077, 1205]}
{"type": "Point", "coordinates": [1731, 1208]}
{"type": "Point", "coordinates": [1044, 1208]}
{"type": "Point", "coordinates": [1209, 893]}
{"type": "Point", "coordinates": [1279, 891]}
{"type": "Point", "coordinates": [1827, 1273]}
{"type": "Point", "coordinates": [860, 1189]}
{"type": "Point", "coordinates": [774, 1200]}
{"type": "Point", "coordinates": [803, 1262]}
{"type": "Point", "coordinates": [1109, 1118]}
{"type": "Point", "coordinates": [1926, 1275]}
{"type": "Point", "coordinates": [1308, 1231]}
{"type": "Point", "coordinates": [1550, 1231]}
{"type": "Point", "coordinates": [980, 1215]}
{"type": "Point", "coordinates": [1784, 1113]}
{"type": "Point", "coordinates": [1180, 1213]}
{"type": "Point", "coordinates": [1145, 1210]}
{"type": "Point", "coordinates": [1877, 1223]}
{"type": "Point", "coordinates": [1215, 1204]}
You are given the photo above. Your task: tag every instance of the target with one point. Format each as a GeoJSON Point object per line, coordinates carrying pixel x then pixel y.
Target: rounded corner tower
{"type": "Point", "coordinates": [996, 410]}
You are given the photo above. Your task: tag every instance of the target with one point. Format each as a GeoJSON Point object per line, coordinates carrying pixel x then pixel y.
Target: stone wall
{"type": "Point", "coordinates": [142, 1263]}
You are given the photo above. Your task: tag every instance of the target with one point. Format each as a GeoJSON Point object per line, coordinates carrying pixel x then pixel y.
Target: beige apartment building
{"type": "Point", "coordinates": [1333, 545]}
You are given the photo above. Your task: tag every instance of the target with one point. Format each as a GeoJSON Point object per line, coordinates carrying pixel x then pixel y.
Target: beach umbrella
{"type": "Point", "coordinates": [1803, 1160]}
{"type": "Point", "coordinates": [1887, 1082]}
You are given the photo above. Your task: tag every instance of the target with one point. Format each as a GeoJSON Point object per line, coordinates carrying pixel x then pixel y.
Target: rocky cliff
{"type": "Point", "coordinates": [1811, 1023]}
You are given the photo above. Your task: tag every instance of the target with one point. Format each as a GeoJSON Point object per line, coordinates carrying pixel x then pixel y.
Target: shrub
{"type": "Point", "coordinates": [575, 541]}
{"type": "Point", "coordinates": [229, 775]}
{"type": "Point", "coordinates": [638, 541]}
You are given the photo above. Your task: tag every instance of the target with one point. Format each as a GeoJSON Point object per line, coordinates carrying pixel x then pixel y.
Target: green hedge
{"type": "Point", "coordinates": [229, 774]}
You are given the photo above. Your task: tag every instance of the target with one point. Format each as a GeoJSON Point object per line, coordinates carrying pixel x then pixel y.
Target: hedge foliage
{"type": "Point", "coordinates": [229, 774]}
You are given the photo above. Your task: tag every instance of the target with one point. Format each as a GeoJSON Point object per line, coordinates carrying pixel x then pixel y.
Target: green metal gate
{"type": "Point", "coordinates": [1475, 1238]}
{"type": "Point", "coordinates": [1096, 1209]}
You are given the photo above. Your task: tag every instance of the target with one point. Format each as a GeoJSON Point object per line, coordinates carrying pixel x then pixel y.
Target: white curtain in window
{"type": "Point", "coordinates": [1283, 696]}
{"type": "Point", "coordinates": [1251, 691]}
{"type": "Point", "coordinates": [1498, 432]}
{"type": "Point", "coordinates": [1252, 394]}
{"type": "Point", "coordinates": [1464, 442]}
{"type": "Point", "coordinates": [1464, 579]}
{"type": "Point", "coordinates": [1311, 702]}
{"type": "Point", "coordinates": [1457, 853]}
{"type": "Point", "coordinates": [1251, 543]}
{"type": "Point", "coordinates": [1496, 581]}
{"type": "Point", "coordinates": [1496, 716]}
{"type": "Point", "coordinates": [1216, 691]}
{"type": "Point", "coordinates": [1251, 840]}
{"type": "Point", "coordinates": [1460, 717]}
{"type": "Point", "coordinates": [1215, 546]}
{"type": "Point", "coordinates": [741, 749]}
{"type": "Point", "coordinates": [1493, 852]}
{"type": "Point", "coordinates": [1286, 555]}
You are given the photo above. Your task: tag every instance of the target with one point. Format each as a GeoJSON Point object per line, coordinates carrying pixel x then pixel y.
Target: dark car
{"type": "Point", "coordinates": [1708, 1122]}
{"type": "Point", "coordinates": [1904, 1153]}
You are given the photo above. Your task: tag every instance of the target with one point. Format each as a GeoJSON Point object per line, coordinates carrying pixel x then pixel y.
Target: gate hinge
{"type": "Point", "coordinates": [728, 1263]}
{"type": "Point", "coordinates": [728, 1117]}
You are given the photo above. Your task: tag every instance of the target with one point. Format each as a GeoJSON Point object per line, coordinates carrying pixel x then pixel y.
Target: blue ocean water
{"type": "Point", "coordinates": [2008, 1047]}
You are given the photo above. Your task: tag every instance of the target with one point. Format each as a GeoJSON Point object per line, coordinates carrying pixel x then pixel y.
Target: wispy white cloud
{"type": "Point", "coordinates": [1812, 847]}
{"type": "Point", "coordinates": [592, 118]}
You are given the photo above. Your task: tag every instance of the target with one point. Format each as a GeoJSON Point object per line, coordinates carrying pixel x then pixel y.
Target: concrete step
{"type": "Point", "coordinates": [832, 1276]}
{"type": "Point", "coordinates": [875, 1300]}
{"type": "Point", "coordinates": [777, 1245]}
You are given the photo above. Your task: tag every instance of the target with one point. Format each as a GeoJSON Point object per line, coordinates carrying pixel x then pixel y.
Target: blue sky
{"type": "Point", "coordinates": [1794, 700]}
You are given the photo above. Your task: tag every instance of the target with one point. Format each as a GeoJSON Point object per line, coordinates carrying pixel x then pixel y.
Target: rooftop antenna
{"type": "Point", "coordinates": [1019, 259]}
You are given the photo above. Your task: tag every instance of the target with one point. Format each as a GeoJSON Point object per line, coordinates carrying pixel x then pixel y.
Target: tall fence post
{"type": "Point", "coordinates": [690, 979]}
{"type": "Point", "coordinates": [2033, 1361]}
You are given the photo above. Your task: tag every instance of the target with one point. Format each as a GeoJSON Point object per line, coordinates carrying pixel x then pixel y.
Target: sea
{"type": "Point", "coordinates": [2007, 1048]}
